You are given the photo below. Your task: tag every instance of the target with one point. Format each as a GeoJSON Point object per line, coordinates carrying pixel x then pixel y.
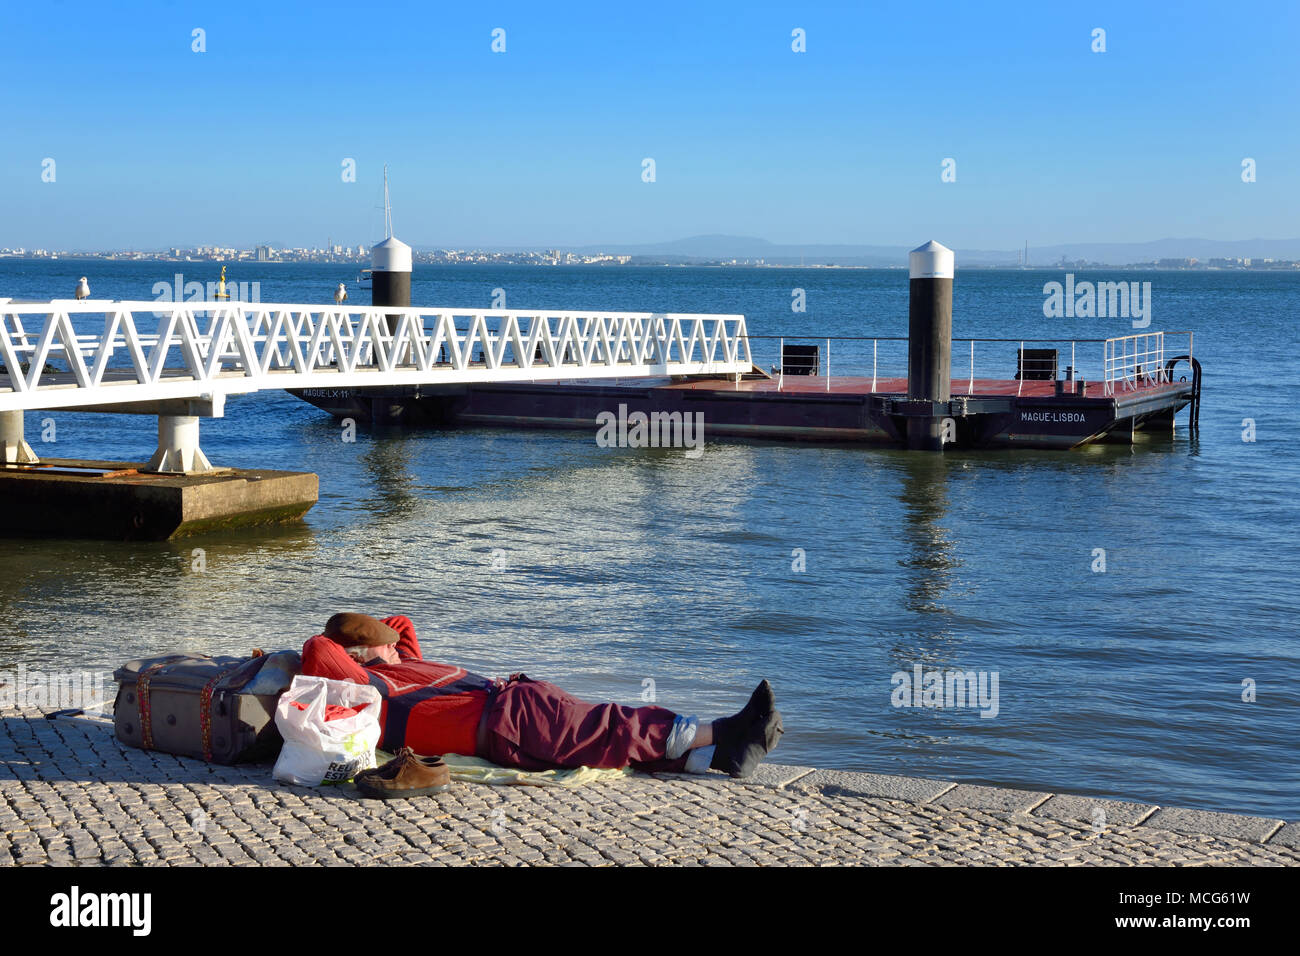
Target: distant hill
{"type": "Point", "coordinates": [748, 247]}
{"type": "Point", "coordinates": [1124, 252]}
{"type": "Point", "coordinates": [715, 247]}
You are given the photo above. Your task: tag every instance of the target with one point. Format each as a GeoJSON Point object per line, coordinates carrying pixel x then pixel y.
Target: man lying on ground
{"type": "Point", "coordinates": [436, 708]}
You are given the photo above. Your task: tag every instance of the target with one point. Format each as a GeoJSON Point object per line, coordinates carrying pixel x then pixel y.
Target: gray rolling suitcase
{"type": "Point", "coordinates": [219, 709]}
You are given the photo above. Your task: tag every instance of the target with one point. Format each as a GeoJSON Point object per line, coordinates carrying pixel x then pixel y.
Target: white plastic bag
{"type": "Point", "coordinates": [319, 751]}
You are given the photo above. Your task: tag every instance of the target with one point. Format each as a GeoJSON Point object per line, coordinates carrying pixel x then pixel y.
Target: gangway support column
{"type": "Point", "coordinates": [13, 446]}
{"type": "Point", "coordinates": [178, 447]}
{"type": "Point", "coordinates": [929, 344]}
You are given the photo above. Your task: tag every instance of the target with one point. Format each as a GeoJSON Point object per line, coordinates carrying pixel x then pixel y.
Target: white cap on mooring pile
{"type": "Point", "coordinates": [930, 261]}
{"type": "Point", "coordinates": [391, 255]}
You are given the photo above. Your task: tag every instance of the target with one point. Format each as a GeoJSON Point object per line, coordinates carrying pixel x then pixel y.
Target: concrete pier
{"type": "Point", "coordinates": [74, 794]}
{"type": "Point", "coordinates": [77, 498]}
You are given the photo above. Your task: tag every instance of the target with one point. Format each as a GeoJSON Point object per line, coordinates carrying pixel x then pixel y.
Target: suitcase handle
{"type": "Point", "coordinates": [142, 695]}
{"type": "Point", "coordinates": [205, 714]}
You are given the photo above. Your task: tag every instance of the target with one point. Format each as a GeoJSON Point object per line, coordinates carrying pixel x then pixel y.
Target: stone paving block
{"type": "Point", "coordinates": [1084, 810]}
{"type": "Point", "coordinates": [887, 786]}
{"type": "Point", "coordinates": [964, 796]}
{"type": "Point", "coordinates": [1237, 826]}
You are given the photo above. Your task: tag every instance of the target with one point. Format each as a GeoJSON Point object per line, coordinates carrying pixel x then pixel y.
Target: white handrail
{"type": "Point", "coordinates": [1129, 359]}
{"type": "Point", "coordinates": [155, 350]}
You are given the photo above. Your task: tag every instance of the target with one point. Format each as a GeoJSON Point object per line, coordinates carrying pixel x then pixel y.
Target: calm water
{"type": "Point", "coordinates": [622, 566]}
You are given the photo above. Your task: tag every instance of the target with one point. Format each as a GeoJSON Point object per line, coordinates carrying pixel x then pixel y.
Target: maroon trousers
{"type": "Point", "coordinates": [535, 725]}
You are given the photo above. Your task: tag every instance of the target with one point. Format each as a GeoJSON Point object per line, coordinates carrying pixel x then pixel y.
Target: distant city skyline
{"type": "Point", "coordinates": [1285, 255]}
{"type": "Point", "coordinates": [741, 250]}
{"type": "Point", "coordinates": [581, 126]}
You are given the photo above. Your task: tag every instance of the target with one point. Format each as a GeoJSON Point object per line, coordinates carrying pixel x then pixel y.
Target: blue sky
{"type": "Point", "coordinates": [157, 145]}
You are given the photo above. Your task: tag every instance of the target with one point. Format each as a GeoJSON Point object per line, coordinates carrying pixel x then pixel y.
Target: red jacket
{"type": "Point", "coordinates": [430, 707]}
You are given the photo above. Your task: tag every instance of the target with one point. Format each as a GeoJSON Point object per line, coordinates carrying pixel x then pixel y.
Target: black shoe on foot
{"type": "Point", "coordinates": [742, 758]}
{"type": "Point", "coordinates": [729, 732]}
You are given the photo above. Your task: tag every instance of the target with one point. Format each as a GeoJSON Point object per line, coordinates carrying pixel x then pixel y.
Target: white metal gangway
{"type": "Point", "coordinates": [193, 349]}
{"type": "Point", "coordinates": [142, 352]}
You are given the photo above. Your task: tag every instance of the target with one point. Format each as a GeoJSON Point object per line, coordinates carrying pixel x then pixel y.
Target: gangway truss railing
{"type": "Point", "coordinates": [147, 351]}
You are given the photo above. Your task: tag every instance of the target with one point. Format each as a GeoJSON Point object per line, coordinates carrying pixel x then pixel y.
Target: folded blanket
{"type": "Point", "coordinates": [478, 770]}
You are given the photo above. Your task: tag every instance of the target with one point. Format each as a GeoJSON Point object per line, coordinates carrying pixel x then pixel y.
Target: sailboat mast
{"type": "Point", "coordinates": [388, 209]}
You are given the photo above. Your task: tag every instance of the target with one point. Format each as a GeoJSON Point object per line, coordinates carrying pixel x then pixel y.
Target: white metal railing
{"type": "Point", "coordinates": [156, 350]}
{"type": "Point", "coordinates": [884, 358]}
{"type": "Point", "coordinates": [1134, 360]}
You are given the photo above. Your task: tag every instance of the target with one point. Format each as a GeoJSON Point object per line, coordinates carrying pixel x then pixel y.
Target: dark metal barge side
{"type": "Point", "coordinates": [992, 413]}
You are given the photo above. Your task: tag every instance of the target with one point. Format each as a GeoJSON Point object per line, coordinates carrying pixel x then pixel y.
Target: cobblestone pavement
{"type": "Point", "coordinates": [70, 793]}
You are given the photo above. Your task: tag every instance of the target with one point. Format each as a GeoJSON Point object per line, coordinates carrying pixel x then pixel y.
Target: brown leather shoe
{"type": "Point", "coordinates": [406, 775]}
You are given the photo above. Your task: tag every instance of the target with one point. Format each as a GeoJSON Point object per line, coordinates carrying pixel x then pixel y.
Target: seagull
{"type": "Point", "coordinates": [340, 294]}
{"type": "Point", "coordinates": [83, 289]}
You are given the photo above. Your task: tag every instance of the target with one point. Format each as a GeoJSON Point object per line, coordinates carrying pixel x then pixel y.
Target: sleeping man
{"type": "Point", "coordinates": [435, 708]}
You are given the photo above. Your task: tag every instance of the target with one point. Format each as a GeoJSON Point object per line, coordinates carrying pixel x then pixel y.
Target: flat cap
{"type": "Point", "coordinates": [352, 630]}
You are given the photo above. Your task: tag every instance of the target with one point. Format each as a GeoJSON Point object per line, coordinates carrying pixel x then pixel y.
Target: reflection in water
{"type": "Point", "coordinates": [924, 495]}
{"type": "Point", "coordinates": [930, 561]}
{"type": "Point", "coordinates": [388, 462]}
